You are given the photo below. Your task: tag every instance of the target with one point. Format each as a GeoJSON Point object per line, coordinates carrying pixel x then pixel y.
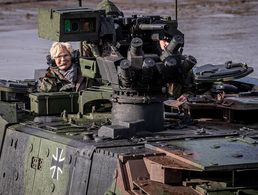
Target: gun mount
{"type": "Point", "coordinates": [136, 72]}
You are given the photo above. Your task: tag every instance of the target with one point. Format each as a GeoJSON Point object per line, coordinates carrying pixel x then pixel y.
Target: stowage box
{"type": "Point", "coordinates": [54, 103]}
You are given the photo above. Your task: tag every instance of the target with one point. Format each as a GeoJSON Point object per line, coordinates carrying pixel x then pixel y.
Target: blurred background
{"type": "Point", "coordinates": [215, 30]}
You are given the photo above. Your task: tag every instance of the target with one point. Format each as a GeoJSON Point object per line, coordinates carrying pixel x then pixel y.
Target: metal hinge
{"type": "Point", "coordinates": [36, 163]}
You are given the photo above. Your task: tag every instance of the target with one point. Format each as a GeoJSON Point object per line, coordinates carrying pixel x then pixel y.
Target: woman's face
{"type": "Point", "coordinates": [63, 60]}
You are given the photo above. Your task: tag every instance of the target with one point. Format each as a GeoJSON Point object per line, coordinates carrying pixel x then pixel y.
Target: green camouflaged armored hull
{"type": "Point", "coordinates": [124, 134]}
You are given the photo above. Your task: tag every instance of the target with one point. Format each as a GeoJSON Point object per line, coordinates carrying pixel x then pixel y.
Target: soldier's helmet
{"type": "Point", "coordinates": [110, 8]}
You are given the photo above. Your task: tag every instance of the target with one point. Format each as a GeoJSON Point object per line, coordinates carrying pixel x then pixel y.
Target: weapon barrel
{"type": "Point", "coordinates": [124, 73]}
{"type": "Point", "coordinates": [153, 26]}
{"type": "Point", "coordinates": [136, 46]}
{"type": "Point", "coordinates": [177, 41]}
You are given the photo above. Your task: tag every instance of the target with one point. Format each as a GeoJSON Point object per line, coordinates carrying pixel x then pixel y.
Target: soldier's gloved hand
{"type": "Point", "coordinates": [182, 99]}
{"type": "Point", "coordinates": [68, 87]}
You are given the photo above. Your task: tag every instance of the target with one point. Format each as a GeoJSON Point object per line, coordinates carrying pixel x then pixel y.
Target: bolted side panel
{"type": "Point", "coordinates": [80, 176]}
{"type": "Point", "coordinates": [56, 171]}
{"type": "Point", "coordinates": [16, 172]}
{"type": "Point", "coordinates": [102, 173]}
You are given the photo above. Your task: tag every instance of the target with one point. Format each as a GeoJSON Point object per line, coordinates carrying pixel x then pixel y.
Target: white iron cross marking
{"type": "Point", "coordinates": [57, 163]}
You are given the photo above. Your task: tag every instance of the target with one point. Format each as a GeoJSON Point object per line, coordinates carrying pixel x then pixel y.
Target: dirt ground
{"type": "Point", "coordinates": [23, 15]}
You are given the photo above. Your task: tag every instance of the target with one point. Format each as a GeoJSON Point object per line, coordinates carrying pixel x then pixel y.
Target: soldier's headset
{"type": "Point", "coordinates": [75, 55]}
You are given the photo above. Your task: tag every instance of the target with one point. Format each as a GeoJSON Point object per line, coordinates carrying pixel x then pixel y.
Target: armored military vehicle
{"type": "Point", "coordinates": [124, 134]}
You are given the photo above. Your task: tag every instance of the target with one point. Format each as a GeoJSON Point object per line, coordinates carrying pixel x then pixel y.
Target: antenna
{"type": "Point", "coordinates": [176, 8]}
{"type": "Point", "coordinates": [81, 45]}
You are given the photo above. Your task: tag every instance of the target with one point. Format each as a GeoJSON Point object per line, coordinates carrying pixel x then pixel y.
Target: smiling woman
{"type": "Point", "coordinates": [61, 53]}
{"type": "Point", "coordinates": [64, 73]}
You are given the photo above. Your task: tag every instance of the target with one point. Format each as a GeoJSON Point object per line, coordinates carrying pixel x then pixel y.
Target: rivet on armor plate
{"type": "Point", "coordinates": [11, 142]}
{"type": "Point", "coordinates": [16, 176]}
{"type": "Point", "coordinates": [31, 148]}
{"type": "Point", "coordinates": [16, 143]}
{"type": "Point", "coordinates": [52, 187]}
{"type": "Point", "coordinates": [70, 159]}
{"type": "Point", "coordinates": [47, 152]}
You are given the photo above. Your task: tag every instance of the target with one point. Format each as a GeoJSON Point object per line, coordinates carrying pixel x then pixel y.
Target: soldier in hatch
{"type": "Point", "coordinates": [63, 73]}
{"type": "Point", "coordinates": [181, 88]}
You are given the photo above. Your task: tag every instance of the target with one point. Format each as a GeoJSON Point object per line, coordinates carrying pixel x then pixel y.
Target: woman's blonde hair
{"type": "Point", "coordinates": [58, 46]}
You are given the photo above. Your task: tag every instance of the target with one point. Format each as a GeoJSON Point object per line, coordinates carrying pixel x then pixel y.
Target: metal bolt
{"type": "Point", "coordinates": [16, 143]}
{"type": "Point", "coordinates": [47, 152]}
{"type": "Point", "coordinates": [31, 148]}
{"type": "Point", "coordinates": [52, 187]}
{"type": "Point", "coordinates": [237, 155]}
{"type": "Point", "coordinates": [70, 159]}
{"type": "Point", "coordinates": [16, 176]}
{"type": "Point", "coordinates": [215, 146]}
